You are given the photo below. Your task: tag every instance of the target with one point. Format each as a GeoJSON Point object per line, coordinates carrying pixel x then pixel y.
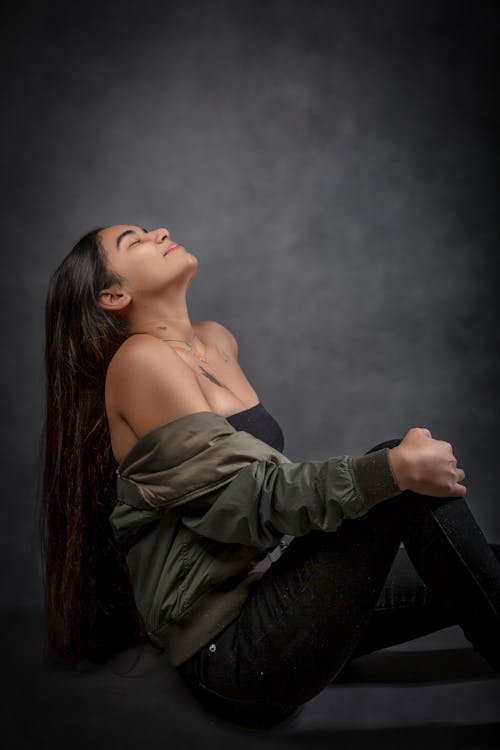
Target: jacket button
{"type": "Point", "coordinates": [212, 647]}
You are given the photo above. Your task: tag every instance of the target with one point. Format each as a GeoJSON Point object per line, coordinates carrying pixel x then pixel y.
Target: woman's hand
{"type": "Point", "coordinates": [427, 466]}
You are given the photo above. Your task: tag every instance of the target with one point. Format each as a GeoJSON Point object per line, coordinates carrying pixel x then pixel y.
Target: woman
{"type": "Point", "coordinates": [213, 544]}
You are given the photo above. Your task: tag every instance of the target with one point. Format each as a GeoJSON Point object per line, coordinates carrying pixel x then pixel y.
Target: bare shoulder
{"type": "Point", "coordinates": [148, 384]}
{"type": "Point", "coordinates": [140, 360]}
{"type": "Point", "coordinates": [218, 334]}
{"type": "Point", "coordinates": [139, 350]}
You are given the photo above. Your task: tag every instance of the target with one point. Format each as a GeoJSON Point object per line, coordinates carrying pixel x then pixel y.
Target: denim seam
{"type": "Point", "coordinates": [478, 583]}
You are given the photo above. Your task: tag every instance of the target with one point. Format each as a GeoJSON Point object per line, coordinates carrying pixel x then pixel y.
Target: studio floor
{"type": "Point", "coordinates": [432, 692]}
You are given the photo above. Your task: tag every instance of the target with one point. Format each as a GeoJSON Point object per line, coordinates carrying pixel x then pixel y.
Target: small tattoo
{"type": "Point", "coordinates": [210, 376]}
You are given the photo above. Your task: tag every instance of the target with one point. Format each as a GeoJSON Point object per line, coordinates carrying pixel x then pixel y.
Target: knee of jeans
{"type": "Point", "coordinates": [386, 444]}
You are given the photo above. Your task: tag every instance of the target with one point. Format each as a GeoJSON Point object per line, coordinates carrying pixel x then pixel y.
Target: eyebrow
{"type": "Point", "coordinates": [124, 234]}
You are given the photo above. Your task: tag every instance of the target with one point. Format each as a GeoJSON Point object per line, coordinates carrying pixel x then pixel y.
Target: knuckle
{"type": "Point", "coordinates": [422, 431]}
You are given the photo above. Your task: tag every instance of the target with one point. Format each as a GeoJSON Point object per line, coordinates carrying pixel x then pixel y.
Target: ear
{"type": "Point", "coordinates": [114, 299]}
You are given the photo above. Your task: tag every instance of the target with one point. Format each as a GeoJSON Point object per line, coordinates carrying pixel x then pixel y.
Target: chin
{"type": "Point", "coordinates": [193, 266]}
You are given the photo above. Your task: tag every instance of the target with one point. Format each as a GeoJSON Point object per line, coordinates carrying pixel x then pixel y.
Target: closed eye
{"type": "Point", "coordinates": [134, 242]}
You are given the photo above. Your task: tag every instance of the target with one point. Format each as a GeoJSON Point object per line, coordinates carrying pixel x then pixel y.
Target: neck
{"type": "Point", "coordinates": [164, 319]}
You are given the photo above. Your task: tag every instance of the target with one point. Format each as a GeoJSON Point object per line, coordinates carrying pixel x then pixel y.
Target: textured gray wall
{"type": "Point", "coordinates": [333, 165]}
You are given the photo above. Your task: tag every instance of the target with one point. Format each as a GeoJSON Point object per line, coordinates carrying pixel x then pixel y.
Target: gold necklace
{"type": "Point", "coordinates": [190, 347]}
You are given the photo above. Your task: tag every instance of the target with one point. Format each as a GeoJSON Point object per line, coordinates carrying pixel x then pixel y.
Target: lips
{"type": "Point", "coordinates": [173, 246]}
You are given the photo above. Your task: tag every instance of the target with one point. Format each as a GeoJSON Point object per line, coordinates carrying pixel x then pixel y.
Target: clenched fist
{"type": "Point", "coordinates": [427, 466]}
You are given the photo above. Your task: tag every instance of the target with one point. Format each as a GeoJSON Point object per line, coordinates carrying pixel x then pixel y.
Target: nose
{"type": "Point", "coordinates": [162, 234]}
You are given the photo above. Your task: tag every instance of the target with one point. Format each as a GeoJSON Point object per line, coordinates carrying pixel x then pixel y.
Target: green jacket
{"type": "Point", "coordinates": [202, 509]}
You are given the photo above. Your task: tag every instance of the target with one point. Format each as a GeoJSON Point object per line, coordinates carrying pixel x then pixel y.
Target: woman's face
{"type": "Point", "coordinates": [148, 261]}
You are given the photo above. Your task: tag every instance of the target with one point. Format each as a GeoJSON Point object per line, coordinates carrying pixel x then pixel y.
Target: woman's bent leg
{"type": "Point", "coordinates": [305, 618]}
{"type": "Point", "coordinates": [407, 608]}
{"type": "Point", "coordinates": [452, 556]}
{"type": "Point", "coordinates": [462, 571]}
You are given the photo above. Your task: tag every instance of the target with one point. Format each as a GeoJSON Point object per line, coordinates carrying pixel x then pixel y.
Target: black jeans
{"type": "Point", "coordinates": [334, 596]}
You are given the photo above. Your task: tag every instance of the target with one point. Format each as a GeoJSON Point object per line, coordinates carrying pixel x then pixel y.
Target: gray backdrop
{"type": "Point", "coordinates": [333, 165]}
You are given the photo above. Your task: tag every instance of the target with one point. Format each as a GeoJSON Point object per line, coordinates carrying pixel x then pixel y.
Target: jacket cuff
{"type": "Point", "coordinates": [374, 476]}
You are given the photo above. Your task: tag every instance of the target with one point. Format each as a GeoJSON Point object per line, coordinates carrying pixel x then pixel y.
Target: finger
{"type": "Point", "coordinates": [460, 490]}
{"type": "Point", "coordinates": [460, 475]}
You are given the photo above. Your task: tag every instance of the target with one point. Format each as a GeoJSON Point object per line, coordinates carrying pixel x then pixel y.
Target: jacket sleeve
{"type": "Point", "coordinates": [266, 500]}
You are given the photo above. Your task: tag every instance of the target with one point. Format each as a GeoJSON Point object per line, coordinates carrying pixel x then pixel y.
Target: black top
{"type": "Point", "coordinates": [258, 422]}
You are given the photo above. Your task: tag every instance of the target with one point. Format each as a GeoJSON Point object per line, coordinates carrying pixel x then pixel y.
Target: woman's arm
{"type": "Point", "coordinates": [265, 499]}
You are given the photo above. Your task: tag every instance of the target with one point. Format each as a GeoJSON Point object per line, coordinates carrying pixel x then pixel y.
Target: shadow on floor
{"type": "Point", "coordinates": [418, 667]}
{"type": "Point", "coordinates": [432, 698]}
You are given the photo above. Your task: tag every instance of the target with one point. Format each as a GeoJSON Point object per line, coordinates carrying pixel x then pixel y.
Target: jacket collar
{"type": "Point", "coordinates": [175, 441]}
{"type": "Point", "coordinates": [186, 458]}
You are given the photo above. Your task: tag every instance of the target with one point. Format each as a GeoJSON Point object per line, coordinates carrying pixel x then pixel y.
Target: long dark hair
{"type": "Point", "coordinates": [89, 606]}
